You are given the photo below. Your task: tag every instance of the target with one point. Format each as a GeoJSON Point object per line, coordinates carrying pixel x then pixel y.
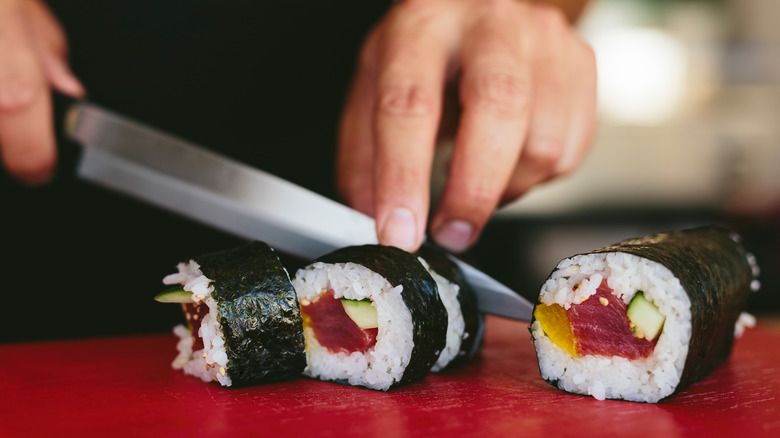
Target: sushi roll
{"type": "Point", "coordinates": [465, 323]}
{"type": "Point", "coordinates": [372, 317]}
{"type": "Point", "coordinates": [645, 318]}
{"type": "Point", "coordinates": [243, 322]}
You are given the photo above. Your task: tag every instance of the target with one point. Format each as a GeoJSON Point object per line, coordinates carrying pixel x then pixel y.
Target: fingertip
{"type": "Point", "coordinates": [69, 84]}
{"type": "Point", "coordinates": [454, 235]}
{"type": "Point", "coordinates": [61, 77]}
{"type": "Point", "coordinates": [34, 173]}
{"type": "Point", "coordinates": [399, 229]}
{"type": "Point", "coordinates": [37, 177]}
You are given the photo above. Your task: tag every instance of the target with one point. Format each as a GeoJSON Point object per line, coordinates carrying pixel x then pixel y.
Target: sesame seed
{"type": "Point", "coordinates": [195, 317]}
{"type": "Point", "coordinates": [603, 301]}
{"type": "Point", "coordinates": [208, 367]}
{"type": "Point", "coordinates": [214, 378]}
{"type": "Point", "coordinates": [631, 324]}
{"type": "Point", "coordinates": [200, 296]}
{"type": "Point", "coordinates": [583, 299]}
{"type": "Point", "coordinates": [188, 316]}
{"type": "Point", "coordinates": [222, 371]}
{"type": "Point", "coordinates": [204, 355]}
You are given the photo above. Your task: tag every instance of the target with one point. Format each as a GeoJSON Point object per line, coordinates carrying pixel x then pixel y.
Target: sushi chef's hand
{"type": "Point", "coordinates": [527, 96]}
{"type": "Point", "coordinates": [33, 59]}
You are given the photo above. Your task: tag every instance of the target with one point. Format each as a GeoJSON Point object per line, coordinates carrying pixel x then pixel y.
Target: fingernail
{"type": "Point", "coordinates": [399, 229]}
{"type": "Point", "coordinates": [455, 235]}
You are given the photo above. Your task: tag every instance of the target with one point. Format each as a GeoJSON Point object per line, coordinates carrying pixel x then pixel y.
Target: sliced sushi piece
{"type": "Point", "coordinates": [243, 321]}
{"type": "Point", "coordinates": [465, 323]}
{"type": "Point", "coordinates": [645, 318]}
{"type": "Point", "coordinates": [372, 317]}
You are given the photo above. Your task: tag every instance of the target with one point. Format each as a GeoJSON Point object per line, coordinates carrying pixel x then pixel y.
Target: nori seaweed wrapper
{"type": "Point", "coordinates": [474, 320]}
{"type": "Point", "coordinates": [259, 314]}
{"type": "Point", "coordinates": [420, 294]}
{"type": "Point", "coordinates": [717, 274]}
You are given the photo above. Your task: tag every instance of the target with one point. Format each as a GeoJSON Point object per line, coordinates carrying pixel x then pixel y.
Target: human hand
{"type": "Point", "coordinates": [527, 90]}
{"type": "Point", "coordinates": [33, 58]}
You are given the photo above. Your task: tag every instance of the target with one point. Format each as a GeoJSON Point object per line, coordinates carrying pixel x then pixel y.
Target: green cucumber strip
{"type": "Point", "coordinates": [175, 294]}
{"type": "Point", "coordinates": [648, 321]}
{"type": "Point", "coordinates": [361, 312]}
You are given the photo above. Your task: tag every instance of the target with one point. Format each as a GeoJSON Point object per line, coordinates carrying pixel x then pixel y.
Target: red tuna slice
{"type": "Point", "coordinates": [605, 330]}
{"type": "Point", "coordinates": [195, 312]}
{"type": "Point", "coordinates": [334, 329]}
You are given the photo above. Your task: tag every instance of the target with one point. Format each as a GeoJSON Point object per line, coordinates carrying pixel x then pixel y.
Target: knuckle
{"type": "Point", "coordinates": [402, 176]}
{"type": "Point", "coordinates": [17, 95]}
{"type": "Point", "coordinates": [565, 167]}
{"type": "Point", "coordinates": [504, 93]}
{"type": "Point", "coordinates": [546, 153]}
{"type": "Point", "coordinates": [550, 19]}
{"type": "Point", "coordinates": [479, 196]}
{"type": "Point", "coordinates": [406, 99]}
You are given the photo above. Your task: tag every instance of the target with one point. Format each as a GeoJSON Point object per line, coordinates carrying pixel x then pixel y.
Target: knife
{"type": "Point", "coordinates": [134, 159]}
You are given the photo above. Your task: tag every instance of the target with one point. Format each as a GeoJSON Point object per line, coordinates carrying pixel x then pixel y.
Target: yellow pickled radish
{"type": "Point", "coordinates": [306, 324]}
{"type": "Point", "coordinates": [556, 326]}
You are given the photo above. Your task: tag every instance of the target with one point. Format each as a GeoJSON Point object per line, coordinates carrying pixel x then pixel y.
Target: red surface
{"type": "Point", "coordinates": [125, 387]}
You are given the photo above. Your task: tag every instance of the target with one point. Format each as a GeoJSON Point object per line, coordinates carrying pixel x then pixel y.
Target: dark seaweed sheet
{"type": "Point", "coordinates": [715, 272]}
{"type": "Point", "coordinates": [420, 294]}
{"type": "Point", "coordinates": [474, 320]}
{"type": "Point", "coordinates": [259, 314]}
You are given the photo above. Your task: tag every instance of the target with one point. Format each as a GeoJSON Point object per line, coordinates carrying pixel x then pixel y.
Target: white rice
{"type": "Point", "coordinates": [211, 362]}
{"type": "Point", "coordinates": [645, 380]}
{"type": "Point", "coordinates": [456, 325]}
{"type": "Point", "coordinates": [381, 365]}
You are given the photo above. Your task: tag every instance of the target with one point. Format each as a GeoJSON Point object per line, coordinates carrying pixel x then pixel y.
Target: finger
{"type": "Point", "coordinates": [495, 95]}
{"type": "Point", "coordinates": [549, 119]}
{"type": "Point", "coordinates": [355, 157]}
{"type": "Point", "coordinates": [51, 44]}
{"type": "Point", "coordinates": [582, 115]}
{"type": "Point", "coordinates": [26, 134]}
{"type": "Point", "coordinates": [412, 70]}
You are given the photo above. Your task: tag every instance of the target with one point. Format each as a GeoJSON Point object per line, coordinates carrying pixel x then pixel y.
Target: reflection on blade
{"type": "Point", "coordinates": [212, 189]}
{"type": "Point", "coordinates": [197, 183]}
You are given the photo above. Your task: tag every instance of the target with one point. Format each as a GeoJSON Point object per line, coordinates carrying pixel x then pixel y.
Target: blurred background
{"type": "Point", "coordinates": [689, 134]}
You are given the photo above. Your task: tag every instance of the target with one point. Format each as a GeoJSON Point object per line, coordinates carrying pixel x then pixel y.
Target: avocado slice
{"type": "Point", "coordinates": [175, 294]}
{"type": "Point", "coordinates": [361, 312]}
{"type": "Point", "coordinates": [647, 320]}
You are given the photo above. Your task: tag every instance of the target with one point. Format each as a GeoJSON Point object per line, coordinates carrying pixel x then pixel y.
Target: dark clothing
{"type": "Point", "coordinates": [260, 81]}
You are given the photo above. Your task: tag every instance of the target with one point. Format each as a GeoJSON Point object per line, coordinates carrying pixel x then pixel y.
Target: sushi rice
{"type": "Point", "coordinates": [456, 325]}
{"type": "Point", "coordinates": [210, 363]}
{"type": "Point", "coordinates": [383, 364]}
{"type": "Point", "coordinates": [647, 380]}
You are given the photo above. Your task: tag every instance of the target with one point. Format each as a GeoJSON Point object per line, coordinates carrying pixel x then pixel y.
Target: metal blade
{"type": "Point", "coordinates": [197, 183]}
{"type": "Point", "coordinates": [494, 297]}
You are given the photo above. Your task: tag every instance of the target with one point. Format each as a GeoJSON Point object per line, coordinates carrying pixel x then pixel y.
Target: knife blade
{"type": "Point", "coordinates": [131, 158]}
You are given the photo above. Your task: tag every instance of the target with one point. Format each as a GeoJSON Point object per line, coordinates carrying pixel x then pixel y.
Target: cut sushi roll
{"type": "Point", "coordinates": [243, 322]}
{"type": "Point", "coordinates": [372, 317]}
{"type": "Point", "coordinates": [465, 323]}
{"type": "Point", "coordinates": [644, 318]}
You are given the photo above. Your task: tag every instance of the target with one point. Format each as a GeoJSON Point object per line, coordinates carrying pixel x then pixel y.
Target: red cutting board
{"type": "Point", "coordinates": [125, 387]}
